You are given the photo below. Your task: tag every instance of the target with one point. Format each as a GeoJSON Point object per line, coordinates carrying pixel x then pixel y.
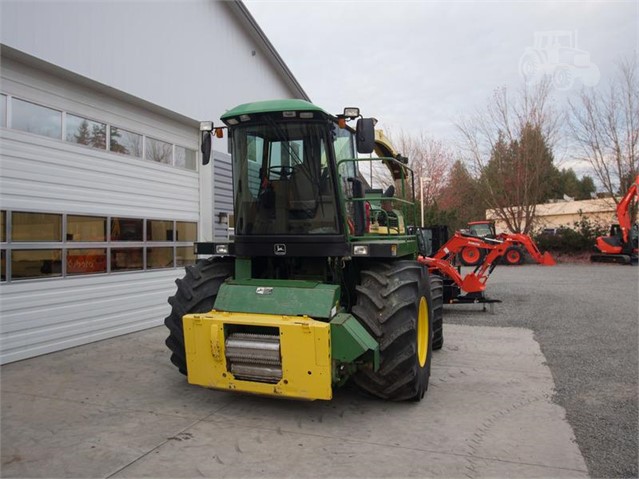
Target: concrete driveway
{"type": "Point", "coordinates": [118, 408]}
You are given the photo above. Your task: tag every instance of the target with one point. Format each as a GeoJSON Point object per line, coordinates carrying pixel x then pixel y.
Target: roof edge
{"type": "Point", "coordinates": [244, 15]}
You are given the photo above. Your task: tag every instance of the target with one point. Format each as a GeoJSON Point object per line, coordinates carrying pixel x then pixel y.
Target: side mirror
{"type": "Point", "coordinates": [365, 135]}
{"type": "Point", "coordinates": [206, 147]}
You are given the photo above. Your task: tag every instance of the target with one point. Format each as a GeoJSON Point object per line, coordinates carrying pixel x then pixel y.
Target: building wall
{"type": "Point", "coordinates": [567, 213]}
{"type": "Point", "coordinates": [152, 68]}
{"type": "Point", "coordinates": [39, 174]}
{"type": "Point", "coordinates": [192, 57]}
{"type": "Point", "coordinates": [55, 175]}
{"type": "Point", "coordinates": [223, 191]}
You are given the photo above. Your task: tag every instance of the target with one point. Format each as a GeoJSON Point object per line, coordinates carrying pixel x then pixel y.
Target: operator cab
{"type": "Point", "coordinates": [482, 229]}
{"type": "Point", "coordinates": [286, 183]}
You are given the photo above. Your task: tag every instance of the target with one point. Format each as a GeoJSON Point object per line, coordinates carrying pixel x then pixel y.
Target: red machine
{"type": "Point", "coordinates": [514, 255]}
{"type": "Point", "coordinates": [444, 259]}
{"type": "Point", "coordinates": [442, 263]}
{"type": "Point", "coordinates": [621, 245]}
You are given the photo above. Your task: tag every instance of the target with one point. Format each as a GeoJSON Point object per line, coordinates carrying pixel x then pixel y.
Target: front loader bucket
{"type": "Point", "coordinates": [547, 259]}
{"type": "Point", "coordinates": [472, 284]}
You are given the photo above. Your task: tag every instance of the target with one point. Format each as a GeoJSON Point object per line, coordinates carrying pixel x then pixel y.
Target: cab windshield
{"type": "Point", "coordinates": [481, 229]}
{"type": "Point", "coordinates": [282, 181]}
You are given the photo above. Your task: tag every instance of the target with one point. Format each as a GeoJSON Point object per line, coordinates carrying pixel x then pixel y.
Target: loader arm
{"type": "Point", "coordinates": [527, 242]}
{"type": "Point", "coordinates": [475, 282]}
{"type": "Point", "coordinates": [623, 209]}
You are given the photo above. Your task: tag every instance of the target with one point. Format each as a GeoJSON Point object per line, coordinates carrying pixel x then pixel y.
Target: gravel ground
{"type": "Point", "coordinates": [585, 318]}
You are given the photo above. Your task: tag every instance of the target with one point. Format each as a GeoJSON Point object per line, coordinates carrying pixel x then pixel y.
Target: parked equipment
{"type": "Point", "coordinates": [622, 244]}
{"type": "Point", "coordinates": [314, 290]}
{"type": "Point", "coordinates": [443, 262]}
{"type": "Point", "coordinates": [520, 243]}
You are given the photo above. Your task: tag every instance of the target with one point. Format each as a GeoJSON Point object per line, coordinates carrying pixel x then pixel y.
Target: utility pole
{"type": "Point", "coordinates": [421, 194]}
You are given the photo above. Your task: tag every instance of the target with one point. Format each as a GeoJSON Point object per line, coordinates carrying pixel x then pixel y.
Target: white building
{"type": "Point", "coordinates": [102, 191]}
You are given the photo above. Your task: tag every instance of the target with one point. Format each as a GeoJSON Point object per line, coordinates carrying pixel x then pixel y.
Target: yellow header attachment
{"type": "Point", "coordinates": [268, 354]}
{"type": "Point", "coordinates": [384, 149]}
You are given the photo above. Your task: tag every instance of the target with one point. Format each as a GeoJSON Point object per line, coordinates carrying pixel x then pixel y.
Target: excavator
{"type": "Point", "coordinates": [621, 246]}
{"type": "Point", "coordinates": [514, 255]}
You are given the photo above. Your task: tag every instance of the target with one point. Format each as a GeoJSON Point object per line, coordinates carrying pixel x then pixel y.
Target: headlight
{"type": "Point", "coordinates": [351, 112]}
{"type": "Point", "coordinates": [221, 249]}
{"type": "Point", "coordinates": [360, 250]}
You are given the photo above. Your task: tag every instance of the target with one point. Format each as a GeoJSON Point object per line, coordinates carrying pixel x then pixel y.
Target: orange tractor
{"type": "Point", "coordinates": [621, 246]}
{"type": "Point", "coordinates": [442, 263]}
{"type": "Point", "coordinates": [442, 256]}
{"type": "Point", "coordinates": [514, 255]}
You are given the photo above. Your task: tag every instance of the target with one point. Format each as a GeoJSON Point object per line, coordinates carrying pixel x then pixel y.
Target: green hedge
{"type": "Point", "coordinates": [578, 239]}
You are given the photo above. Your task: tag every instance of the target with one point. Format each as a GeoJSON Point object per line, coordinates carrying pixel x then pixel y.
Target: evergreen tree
{"type": "Point", "coordinates": [98, 136]}
{"type": "Point", "coordinates": [83, 136]}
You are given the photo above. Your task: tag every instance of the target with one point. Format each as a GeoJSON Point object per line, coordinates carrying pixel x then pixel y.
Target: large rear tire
{"type": "Point", "coordinates": [513, 256]}
{"type": "Point", "coordinates": [437, 302]}
{"type": "Point", "coordinates": [394, 304]}
{"type": "Point", "coordinates": [471, 256]}
{"type": "Point", "coordinates": [196, 293]}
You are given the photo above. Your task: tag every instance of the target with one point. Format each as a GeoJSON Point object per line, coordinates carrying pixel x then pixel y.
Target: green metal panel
{"type": "Point", "coordinates": [269, 106]}
{"type": "Point", "coordinates": [242, 268]}
{"type": "Point", "coordinates": [350, 340]}
{"type": "Point", "coordinates": [289, 298]}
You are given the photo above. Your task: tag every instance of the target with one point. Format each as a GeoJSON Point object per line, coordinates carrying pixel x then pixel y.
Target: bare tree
{"type": "Point", "coordinates": [509, 145]}
{"type": "Point", "coordinates": [606, 127]}
{"type": "Point", "coordinates": [430, 160]}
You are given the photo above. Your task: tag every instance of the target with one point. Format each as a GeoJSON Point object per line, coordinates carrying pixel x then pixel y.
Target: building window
{"type": "Point", "coordinates": [36, 263]}
{"type": "Point", "coordinates": [186, 231]}
{"type": "Point", "coordinates": [125, 142]}
{"type": "Point", "coordinates": [159, 230]}
{"type": "Point", "coordinates": [36, 227]}
{"type": "Point", "coordinates": [3, 265]}
{"type": "Point", "coordinates": [41, 120]}
{"type": "Point", "coordinates": [26, 116]}
{"type": "Point", "coordinates": [159, 151]}
{"type": "Point", "coordinates": [185, 158]}
{"type": "Point", "coordinates": [86, 261]}
{"type": "Point", "coordinates": [86, 228]}
{"type": "Point", "coordinates": [86, 132]}
{"type": "Point", "coordinates": [161, 257]}
{"type": "Point", "coordinates": [184, 256]}
{"type": "Point", "coordinates": [41, 245]}
{"type": "Point", "coordinates": [127, 259]}
{"type": "Point", "coordinates": [3, 226]}
{"type": "Point", "coordinates": [126, 229]}
{"type": "Point", "coordinates": [3, 110]}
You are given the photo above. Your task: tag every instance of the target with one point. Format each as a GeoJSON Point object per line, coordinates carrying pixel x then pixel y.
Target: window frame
{"type": "Point", "coordinates": [65, 246]}
{"type": "Point", "coordinates": [9, 114]}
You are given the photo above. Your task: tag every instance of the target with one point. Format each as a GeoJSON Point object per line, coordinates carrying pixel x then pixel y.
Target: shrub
{"type": "Point", "coordinates": [578, 239]}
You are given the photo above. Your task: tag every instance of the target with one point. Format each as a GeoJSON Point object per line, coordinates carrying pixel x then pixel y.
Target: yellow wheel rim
{"type": "Point", "coordinates": [422, 332]}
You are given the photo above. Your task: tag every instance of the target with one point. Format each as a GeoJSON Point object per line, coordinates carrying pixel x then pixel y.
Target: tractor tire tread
{"type": "Point", "coordinates": [196, 293]}
{"type": "Point", "coordinates": [437, 297]}
{"type": "Point", "coordinates": [396, 287]}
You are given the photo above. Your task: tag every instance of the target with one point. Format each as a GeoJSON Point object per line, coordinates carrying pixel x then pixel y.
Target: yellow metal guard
{"type": "Point", "coordinates": [304, 347]}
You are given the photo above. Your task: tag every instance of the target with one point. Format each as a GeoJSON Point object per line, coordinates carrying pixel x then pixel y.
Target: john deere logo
{"type": "Point", "coordinates": [280, 249]}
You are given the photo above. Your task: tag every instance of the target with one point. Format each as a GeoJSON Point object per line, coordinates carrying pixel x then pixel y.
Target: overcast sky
{"type": "Point", "coordinates": [422, 65]}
